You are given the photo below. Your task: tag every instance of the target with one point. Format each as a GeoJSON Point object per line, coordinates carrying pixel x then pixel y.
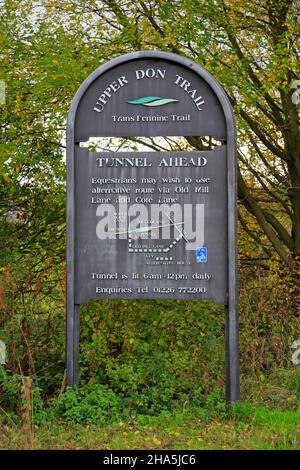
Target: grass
{"type": "Point", "coordinates": [268, 419]}
{"type": "Point", "coordinates": [247, 428]}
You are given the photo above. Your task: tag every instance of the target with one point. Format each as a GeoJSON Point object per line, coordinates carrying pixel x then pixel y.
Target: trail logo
{"type": "Point", "coordinates": [152, 101]}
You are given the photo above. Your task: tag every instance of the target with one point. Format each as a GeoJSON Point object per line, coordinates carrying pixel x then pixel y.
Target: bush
{"type": "Point", "coordinates": [154, 355]}
{"type": "Point", "coordinates": [13, 401]}
{"type": "Point", "coordinates": [10, 386]}
{"type": "Point", "coordinates": [91, 404]}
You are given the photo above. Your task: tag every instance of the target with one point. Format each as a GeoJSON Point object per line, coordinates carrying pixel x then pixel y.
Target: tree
{"type": "Point", "coordinates": [49, 46]}
{"type": "Point", "coordinates": [252, 49]}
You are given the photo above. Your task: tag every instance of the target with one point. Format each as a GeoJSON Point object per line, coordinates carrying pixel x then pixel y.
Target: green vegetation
{"type": "Point", "coordinates": [152, 373]}
{"type": "Point", "coordinates": [95, 418]}
{"type": "Point", "coordinates": [167, 391]}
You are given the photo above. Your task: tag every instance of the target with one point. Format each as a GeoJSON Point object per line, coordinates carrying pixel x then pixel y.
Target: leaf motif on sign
{"type": "Point", "coordinates": [152, 101]}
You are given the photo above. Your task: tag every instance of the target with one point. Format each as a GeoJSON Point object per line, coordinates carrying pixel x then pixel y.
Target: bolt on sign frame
{"type": "Point", "coordinates": [152, 93]}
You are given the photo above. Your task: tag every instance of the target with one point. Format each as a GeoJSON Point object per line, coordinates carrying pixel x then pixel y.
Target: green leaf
{"type": "Point", "coordinates": [146, 99]}
{"type": "Point", "coordinates": [160, 102]}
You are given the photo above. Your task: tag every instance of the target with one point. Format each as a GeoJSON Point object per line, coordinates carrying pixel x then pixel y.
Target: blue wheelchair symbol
{"type": "Point", "coordinates": [202, 254]}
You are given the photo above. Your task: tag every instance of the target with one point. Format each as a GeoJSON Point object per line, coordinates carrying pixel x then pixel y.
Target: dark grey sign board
{"type": "Point", "coordinates": [151, 225]}
{"type": "Point", "coordinates": [151, 256]}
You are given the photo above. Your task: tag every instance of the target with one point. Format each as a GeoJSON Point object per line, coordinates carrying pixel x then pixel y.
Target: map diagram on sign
{"type": "Point", "coordinates": [162, 251]}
